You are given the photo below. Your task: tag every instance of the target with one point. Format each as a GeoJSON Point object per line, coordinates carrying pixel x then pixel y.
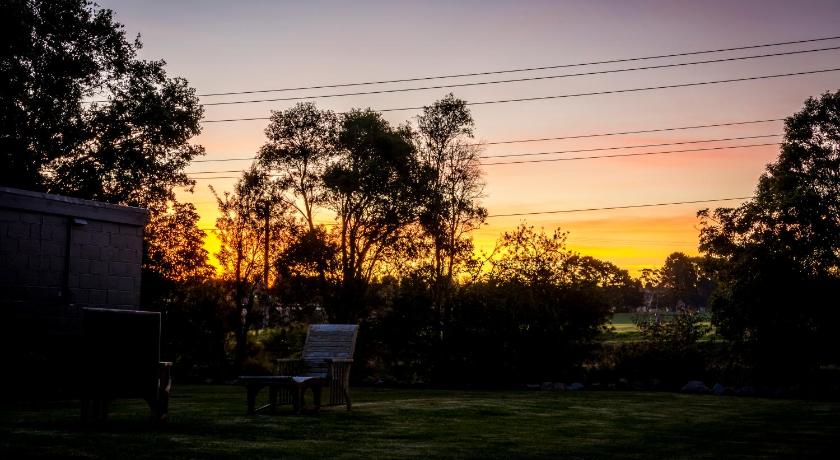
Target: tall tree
{"type": "Point", "coordinates": [82, 115]}
{"type": "Point", "coordinates": [251, 227]}
{"type": "Point", "coordinates": [300, 143]}
{"type": "Point", "coordinates": [452, 208]}
{"type": "Point", "coordinates": [779, 253]}
{"type": "Point", "coordinates": [373, 187]}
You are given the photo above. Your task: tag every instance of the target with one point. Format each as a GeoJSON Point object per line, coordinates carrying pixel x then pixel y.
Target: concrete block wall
{"type": "Point", "coordinates": [59, 255]}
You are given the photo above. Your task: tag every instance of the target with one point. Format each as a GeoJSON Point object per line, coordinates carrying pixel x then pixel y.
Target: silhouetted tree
{"type": "Point", "coordinates": [373, 187]}
{"type": "Point", "coordinates": [537, 296]}
{"type": "Point", "coordinates": [82, 115]}
{"type": "Point", "coordinates": [176, 245]}
{"type": "Point", "coordinates": [300, 143]}
{"type": "Point", "coordinates": [778, 254]}
{"type": "Point", "coordinates": [451, 209]}
{"type": "Point", "coordinates": [684, 279]}
{"type": "Point", "coordinates": [252, 228]}
{"type": "Point", "coordinates": [615, 285]}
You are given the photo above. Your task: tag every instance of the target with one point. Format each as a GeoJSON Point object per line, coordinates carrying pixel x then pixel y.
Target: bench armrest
{"type": "Point", "coordinates": [287, 366]}
{"type": "Point", "coordinates": [339, 370]}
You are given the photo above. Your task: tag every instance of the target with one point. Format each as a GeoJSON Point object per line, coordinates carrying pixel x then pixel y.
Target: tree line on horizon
{"type": "Point", "coordinates": [82, 115]}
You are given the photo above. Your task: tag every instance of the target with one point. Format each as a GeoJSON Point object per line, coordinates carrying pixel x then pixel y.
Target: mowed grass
{"type": "Point", "coordinates": [209, 422]}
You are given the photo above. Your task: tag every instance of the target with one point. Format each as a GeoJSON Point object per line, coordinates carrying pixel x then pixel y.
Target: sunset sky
{"type": "Point", "coordinates": [221, 46]}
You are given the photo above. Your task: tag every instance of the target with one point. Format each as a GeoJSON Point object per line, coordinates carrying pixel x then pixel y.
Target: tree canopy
{"type": "Point", "coordinates": [83, 115]}
{"type": "Point", "coordinates": [778, 254]}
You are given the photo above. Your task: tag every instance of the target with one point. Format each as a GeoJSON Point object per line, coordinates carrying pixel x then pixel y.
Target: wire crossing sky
{"type": "Point", "coordinates": [716, 77]}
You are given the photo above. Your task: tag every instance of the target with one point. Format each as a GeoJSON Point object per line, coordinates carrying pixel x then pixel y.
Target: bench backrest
{"type": "Point", "coordinates": [328, 341]}
{"type": "Point", "coordinates": [121, 350]}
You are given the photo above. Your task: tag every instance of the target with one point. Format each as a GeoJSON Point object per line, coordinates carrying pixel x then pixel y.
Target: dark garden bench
{"type": "Point", "coordinates": [122, 360]}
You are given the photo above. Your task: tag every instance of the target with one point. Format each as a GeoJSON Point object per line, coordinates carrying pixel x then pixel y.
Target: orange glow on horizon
{"type": "Point", "coordinates": [632, 243]}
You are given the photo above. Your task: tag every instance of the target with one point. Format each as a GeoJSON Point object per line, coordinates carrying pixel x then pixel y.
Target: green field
{"type": "Point", "coordinates": [623, 322]}
{"type": "Point", "coordinates": [621, 328]}
{"type": "Point", "coordinates": [209, 422]}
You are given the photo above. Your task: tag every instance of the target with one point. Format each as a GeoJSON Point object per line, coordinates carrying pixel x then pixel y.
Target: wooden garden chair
{"type": "Point", "coordinates": [325, 362]}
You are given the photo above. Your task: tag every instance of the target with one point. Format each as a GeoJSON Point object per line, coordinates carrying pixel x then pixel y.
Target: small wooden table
{"type": "Point", "coordinates": [297, 385]}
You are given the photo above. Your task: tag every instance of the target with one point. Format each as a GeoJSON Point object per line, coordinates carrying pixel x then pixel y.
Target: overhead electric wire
{"type": "Point", "coordinates": [624, 147]}
{"type": "Point", "coordinates": [524, 79]}
{"type": "Point", "coordinates": [591, 157]}
{"type": "Point", "coordinates": [577, 136]}
{"type": "Point", "coordinates": [600, 149]}
{"type": "Point", "coordinates": [640, 131]}
{"type": "Point", "coordinates": [573, 240]}
{"type": "Point", "coordinates": [524, 69]}
{"type": "Point", "coordinates": [593, 93]}
{"type": "Point", "coordinates": [611, 208]}
{"type": "Point", "coordinates": [605, 208]}
{"type": "Point", "coordinates": [620, 155]}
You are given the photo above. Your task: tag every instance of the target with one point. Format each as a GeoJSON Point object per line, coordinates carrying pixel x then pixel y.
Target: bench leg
{"type": "Point", "coordinates": [316, 396]}
{"type": "Point", "coordinates": [252, 390]}
{"type": "Point", "coordinates": [95, 409]}
{"type": "Point", "coordinates": [272, 398]}
{"type": "Point", "coordinates": [298, 398]}
{"type": "Point", "coordinates": [347, 397]}
{"type": "Point", "coordinates": [86, 409]}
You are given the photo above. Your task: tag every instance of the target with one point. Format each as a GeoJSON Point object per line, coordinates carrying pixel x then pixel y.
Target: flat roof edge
{"type": "Point", "coordinates": [47, 203]}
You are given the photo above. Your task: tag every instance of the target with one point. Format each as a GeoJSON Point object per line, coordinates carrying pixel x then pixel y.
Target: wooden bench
{"type": "Point", "coordinates": [325, 362]}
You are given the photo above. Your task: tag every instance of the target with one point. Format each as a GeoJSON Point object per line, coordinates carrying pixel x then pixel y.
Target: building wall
{"type": "Point", "coordinates": [59, 255]}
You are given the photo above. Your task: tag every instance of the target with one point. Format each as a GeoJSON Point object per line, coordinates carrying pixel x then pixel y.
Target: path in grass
{"type": "Point", "coordinates": [208, 422]}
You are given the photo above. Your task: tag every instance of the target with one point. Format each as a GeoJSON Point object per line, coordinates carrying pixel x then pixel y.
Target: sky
{"type": "Point", "coordinates": [221, 46]}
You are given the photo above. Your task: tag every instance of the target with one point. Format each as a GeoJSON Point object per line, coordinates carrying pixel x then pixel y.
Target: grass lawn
{"type": "Point", "coordinates": [209, 422]}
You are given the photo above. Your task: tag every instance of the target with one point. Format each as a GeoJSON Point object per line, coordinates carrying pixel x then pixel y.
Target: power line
{"type": "Point", "coordinates": [524, 69]}
{"type": "Point", "coordinates": [591, 157]}
{"type": "Point", "coordinates": [610, 208]}
{"type": "Point", "coordinates": [619, 155]}
{"type": "Point", "coordinates": [640, 131]}
{"type": "Point", "coordinates": [593, 93]}
{"type": "Point", "coordinates": [606, 208]}
{"type": "Point", "coordinates": [578, 136]}
{"type": "Point", "coordinates": [572, 239]}
{"type": "Point", "coordinates": [524, 79]}
{"type": "Point", "coordinates": [623, 147]}
{"type": "Point", "coordinates": [632, 90]}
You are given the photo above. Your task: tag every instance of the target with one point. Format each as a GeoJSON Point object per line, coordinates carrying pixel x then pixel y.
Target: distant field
{"type": "Point", "coordinates": [209, 422]}
{"type": "Point", "coordinates": [623, 329]}
{"type": "Point", "coordinates": [623, 322]}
